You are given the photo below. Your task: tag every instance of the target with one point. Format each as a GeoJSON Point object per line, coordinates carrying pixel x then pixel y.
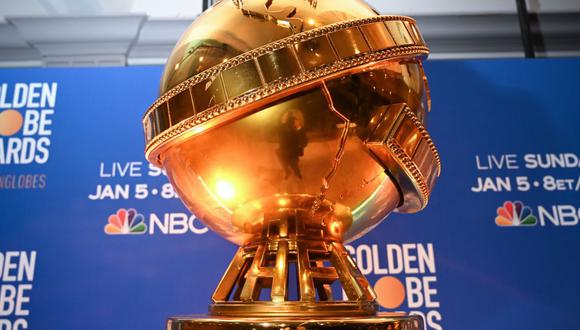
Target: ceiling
{"type": "Point", "coordinates": [190, 8]}
{"type": "Point", "coordinates": [135, 32]}
{"type": "Point", "coordinates": [149, 8]}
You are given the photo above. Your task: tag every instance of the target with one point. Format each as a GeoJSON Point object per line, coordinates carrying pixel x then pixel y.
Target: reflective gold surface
{"type": "Point", "coordinates": [231, 28]}
{"type": "Point", "coordinates": [382, 321]}
{"type": "Point", "coordinates": [306, 144]}
{"type": "Point", "coordinates": [289, 127]}
{"type": "Point", "coordinates": [294, 247]}
{"type": "Point", "coordinates": [278, 66]}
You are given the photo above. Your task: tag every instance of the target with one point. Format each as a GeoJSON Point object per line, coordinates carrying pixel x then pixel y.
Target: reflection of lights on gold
{"type": "Point", "coordinates": [225, 190]}
{"type": "Point", "coordinates": [362, 206]}
{"type": "Point", "coordinates": [335, 227]}
{"type": "Point", "coordinates": [284, 24]}
{"type": "Point", "coordinates": [283, 201]}
{"type": "Point", "coordinates": [413, 138]}
{"type": "Point", "coordinates": [311, 21]}
{"type": "Point", "coordinates": [201, 58]}
{"type": "Point", "coordinates": [177, 66]}
{"type": "Point", "coordinates": [214, 196]}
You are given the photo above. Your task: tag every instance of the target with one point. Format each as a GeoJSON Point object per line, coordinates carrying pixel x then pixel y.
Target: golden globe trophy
{"type": "Point", "coordinates": [290, 127]}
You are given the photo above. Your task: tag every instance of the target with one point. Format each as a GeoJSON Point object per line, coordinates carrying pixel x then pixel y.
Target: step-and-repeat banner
{"type": "Point", "coordinates": [497, 247]}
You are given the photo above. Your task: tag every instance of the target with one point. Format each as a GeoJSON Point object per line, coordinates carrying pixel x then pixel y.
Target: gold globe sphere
{"type": "Point", "coordinates": [274, 105]}
{"type": "Point", "coordinates": [291, 126]}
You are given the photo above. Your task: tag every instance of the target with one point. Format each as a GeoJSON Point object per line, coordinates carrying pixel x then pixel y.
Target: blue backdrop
{"type": "Point", "coordinates": [507, 131]}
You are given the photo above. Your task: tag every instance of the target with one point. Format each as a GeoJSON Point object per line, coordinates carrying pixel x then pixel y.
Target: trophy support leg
{"type": "Point", "coordinates": [266, 266]}
{"type": "Point", "coordinates": [254, 292]}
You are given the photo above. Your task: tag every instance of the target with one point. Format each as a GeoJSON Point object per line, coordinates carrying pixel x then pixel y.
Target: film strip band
{"type": "Point", "coordinates": [402, 144]}
{"type": "Point", "coordinates": [277, 66]}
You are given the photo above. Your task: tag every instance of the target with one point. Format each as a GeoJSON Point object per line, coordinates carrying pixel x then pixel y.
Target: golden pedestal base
{"type": "Point", "coordinates": [382, 321]}
{"type": "Point", "coordinates": [294, 248]}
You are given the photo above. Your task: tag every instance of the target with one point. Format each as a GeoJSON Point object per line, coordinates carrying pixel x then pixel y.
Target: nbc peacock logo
{"type": "Point", "coordinates": [515, 214]}
{"type": "Point", "coordinates": [126, 222]}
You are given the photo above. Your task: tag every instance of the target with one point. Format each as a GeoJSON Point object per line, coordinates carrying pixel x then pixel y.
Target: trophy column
{"type": "Point", "coordinates": [292, 249]}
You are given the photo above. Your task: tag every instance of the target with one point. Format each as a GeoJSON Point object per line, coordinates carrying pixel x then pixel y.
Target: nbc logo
{"type": "Point", "coordinates": [515, 214]}
{"type": "Point", "coordinates": [126, 222]}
